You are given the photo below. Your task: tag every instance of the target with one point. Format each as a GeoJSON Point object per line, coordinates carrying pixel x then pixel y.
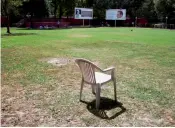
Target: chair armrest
{"type": "Point", "coordinates": [109, 69]}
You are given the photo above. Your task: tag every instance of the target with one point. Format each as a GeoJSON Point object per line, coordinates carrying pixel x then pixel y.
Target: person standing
{"type": "Point", "coordinates": [58, 24]}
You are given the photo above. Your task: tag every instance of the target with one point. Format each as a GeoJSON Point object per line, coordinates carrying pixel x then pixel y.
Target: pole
{"type": "Point", "coordinates": [166, 22]}
{"type": "Point", "coordinates": [136, 22]}
{"type": "Point", "coordinates": [115, 23]}
{"type": "Point", "coordinates": [83, 22]}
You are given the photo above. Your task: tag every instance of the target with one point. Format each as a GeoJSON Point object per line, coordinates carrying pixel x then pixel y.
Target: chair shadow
{"type": "Point", "coordinates": [105, 104]}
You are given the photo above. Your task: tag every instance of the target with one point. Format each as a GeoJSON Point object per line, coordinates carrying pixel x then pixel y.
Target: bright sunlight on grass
{"type": "Point", "coordinates": [36, 93]}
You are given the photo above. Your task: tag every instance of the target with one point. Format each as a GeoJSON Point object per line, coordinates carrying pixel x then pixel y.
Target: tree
{"type": "Point", "coordinates": [165, 8]}
{"type": "Point", "coordinates": [100, 7]}
{"type": "Point", "coordinates": [36, 8]}
{"type": "Point", "coordinates": [147, 10]}
{"type": "Point", "coordinates": [48, 7]}
{"type": "Point", "coordinates": [61, 7]}
{"type": "Point", "coordinates": [9, 7]}
{"type": "Point", "coordinates": [54, 6]}
{"type": "Point", "coordinates": [69, 6]}
{"type": "Point", "coordinates": [58, 6]}
{"type": "Point", "coordinates": [89, 3]}
{"type": "Point", "coordinates": [133, 7]}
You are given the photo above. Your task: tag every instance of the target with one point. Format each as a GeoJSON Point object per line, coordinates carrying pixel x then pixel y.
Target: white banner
{"type": "Point", "coordinates": [83, 13]}
{"type": "Point", "coordinates": [116, 14]}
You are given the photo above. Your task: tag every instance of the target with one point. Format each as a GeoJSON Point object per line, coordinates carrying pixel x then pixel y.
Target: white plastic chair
{"type": "Point", "coordinates": [96, 77]}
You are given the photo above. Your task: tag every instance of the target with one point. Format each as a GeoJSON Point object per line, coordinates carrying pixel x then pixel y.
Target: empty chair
{"type": "Point", "coordinates": [93, 75]}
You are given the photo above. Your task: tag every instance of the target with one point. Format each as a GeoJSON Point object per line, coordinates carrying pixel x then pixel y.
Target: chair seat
{"type": "Point", "coordinates": [102, 78]}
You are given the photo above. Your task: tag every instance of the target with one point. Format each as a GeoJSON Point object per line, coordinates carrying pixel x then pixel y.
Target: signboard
{"type": "Point", "coordinates": [116, 14]}
{"type": "Point", "coordinates": [83, 13]}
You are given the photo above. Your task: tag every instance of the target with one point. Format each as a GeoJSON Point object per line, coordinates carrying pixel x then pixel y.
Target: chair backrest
{"type": "Point", "coordinates": [88, 70]}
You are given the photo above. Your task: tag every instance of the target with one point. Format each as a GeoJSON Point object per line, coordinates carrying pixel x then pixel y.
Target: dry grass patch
{"type": "Point", "coordinates": [57, 104]}
{"type": "Point", "coordinates": [20, 107]}
{"type": "Point", "coordinates": [142, 63]}
{"type": "Point", "coordinates": [80, 36]}
{"type": "Point", "coordinates": [81, 49]}
{"type": "Point", "coordinates": [61, 62]}
{"type": "Point", "coordinates": [62, 41]}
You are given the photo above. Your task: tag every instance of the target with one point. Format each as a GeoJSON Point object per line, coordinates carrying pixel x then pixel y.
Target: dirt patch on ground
{"type": "Point", "coordinates": [168, 115]}
{"type": "Point", "coordinates": [62, 61]}
{"type": "Point", "coordinates": [58, 61]}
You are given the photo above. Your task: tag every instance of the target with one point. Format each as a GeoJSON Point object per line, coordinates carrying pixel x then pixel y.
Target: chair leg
{"type": "Point", "coordinates": [115, 92]}
{"type": "Point", "coordinates": [93, 89]}
{"type": "Point", "coordinates": [98, 90]}
{"type": "Point", "coordinates": [82, 83]}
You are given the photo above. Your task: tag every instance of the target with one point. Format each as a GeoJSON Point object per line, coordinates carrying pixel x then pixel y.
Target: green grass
{"type": "Point", "coordinates": [145, 63]}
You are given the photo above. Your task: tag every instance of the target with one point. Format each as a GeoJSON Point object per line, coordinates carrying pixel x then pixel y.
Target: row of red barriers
{"type": "Point", "coordinates": [141, 21]}
{"type": "Point", "coordinates": [71, 21]}
{"type": "Point", "coordinates": [64, 22]}
{"type": "Point", "coordinates": [3, 20]}
{"type": "Point", "coordinates": [53, 22]}
{"type": "Point", "coordinates": [44, 24]}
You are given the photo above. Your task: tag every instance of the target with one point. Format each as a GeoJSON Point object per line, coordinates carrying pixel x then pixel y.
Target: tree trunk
{"type": "Point", "coordinates": [61, 12]}
{"type": "Point", "coordinates": [55, 12]}
{"type": "Point", "coordinates": [31, 22]}
{"type": "Point", "coordinates": [5, 7]}
{"type": "Point", "coordinates": [8, 25]}
{"type": "Point", "coordinates": [67, 15]}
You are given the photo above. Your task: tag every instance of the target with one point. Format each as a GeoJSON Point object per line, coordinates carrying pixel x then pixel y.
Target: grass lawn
{"type": "Point", "coordinates": [36, 93]}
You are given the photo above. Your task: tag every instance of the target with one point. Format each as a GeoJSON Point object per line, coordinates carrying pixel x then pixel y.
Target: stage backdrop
{"type": "Point", "coordinates": [116, 14]}
{"type": "Point", "coordinates": [83, 13]}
